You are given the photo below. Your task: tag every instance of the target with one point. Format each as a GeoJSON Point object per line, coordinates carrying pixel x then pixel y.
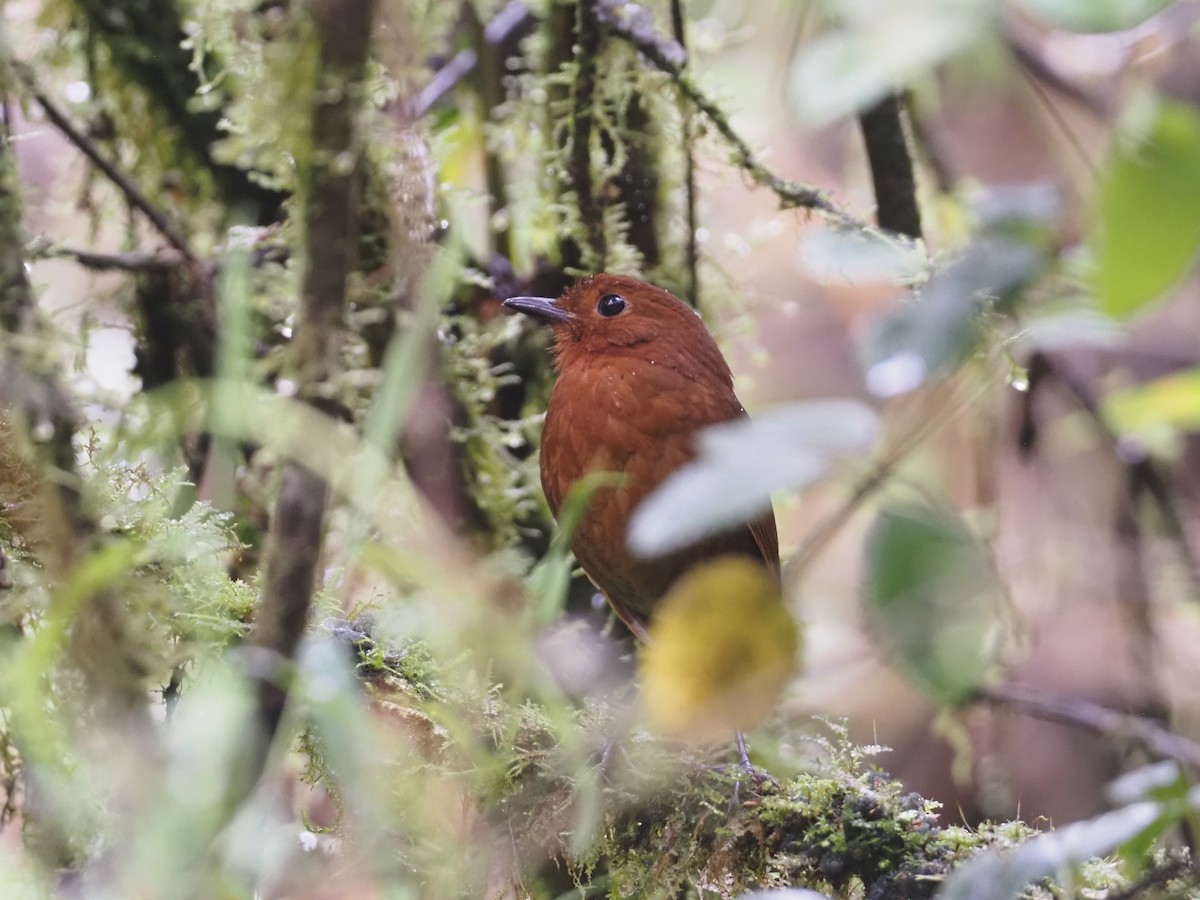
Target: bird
{"type": "Point", "coordinates": [638, 376]}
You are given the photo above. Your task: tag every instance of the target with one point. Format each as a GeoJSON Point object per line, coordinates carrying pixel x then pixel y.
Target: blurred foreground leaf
{"type": "Point", "coordinates": [740, 464]}
{"type": "Point", "coordinates": [1148, 223]}
{"type": "Point", "coordinates": [931, 595]}
{"type": "Point", "coordinates": [1003, 875]}
{"type": "Point", "coordinates": [1170, 404]}
{"type": "Point", "coordinates": [551, 577]}
{"type": "Point", "coordinates": [1092, 15]}
{"type": "Point", "coordinates": [881, 47]}
{"type": "Point", "coordinates": [940, 327]}
{"type": "Point", "coordinates": [724, 645]}
{"type": "Point", "coordinates": [858, 256]}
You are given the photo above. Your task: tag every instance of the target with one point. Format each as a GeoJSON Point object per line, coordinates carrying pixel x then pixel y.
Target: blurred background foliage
{"type": "Point", "coordinates": [282, 609]}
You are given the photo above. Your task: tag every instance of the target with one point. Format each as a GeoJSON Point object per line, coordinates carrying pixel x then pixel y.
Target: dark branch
{"type": "Point", "coordinates": [1028, 57]}
{"type": "Point", "coordinates": [579, 166]}
{"type": "Point", "coordinates": [1094, 718]}
{"type": "Point", "coordinates": [689, 173]}
{"type": "Point", "coordinates": [891, 168]}
{"type": "Point", "coordinates": [633, 24]}
{"type": "Point", "coordinates": [123, 262]}
{"type": "Point", "coordinates": [124, 183]}
{"type": "Point", "coordinates": [343, 29]}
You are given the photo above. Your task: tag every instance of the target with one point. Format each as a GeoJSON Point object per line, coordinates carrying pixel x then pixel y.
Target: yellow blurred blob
{"type": "Point", "coordinates": [722, 648]}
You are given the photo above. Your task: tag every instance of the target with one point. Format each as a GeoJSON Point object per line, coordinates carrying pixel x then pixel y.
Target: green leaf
{"type": "Point", "coordinates": [932, 597]}
{"type": "Point", "coordinates": [1092, 15]}
{"type": "Point", "coordinates": [881, 48]}
{"type": "Point", "coordinates": [1148, 223]}
{"type": "Point", "coordinates": [939, 328]}
{"type": "Point", "coordinates": [1171, 403]}
{"type": "Point", "coordinates": [740, 464]}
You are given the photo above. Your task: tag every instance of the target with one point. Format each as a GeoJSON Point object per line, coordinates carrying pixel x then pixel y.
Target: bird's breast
{"type": "Point", "coordinates": [636, 420]}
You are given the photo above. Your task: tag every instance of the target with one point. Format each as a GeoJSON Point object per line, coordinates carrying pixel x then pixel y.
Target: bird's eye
{"type": "Point", "coordinates": [611, 305]}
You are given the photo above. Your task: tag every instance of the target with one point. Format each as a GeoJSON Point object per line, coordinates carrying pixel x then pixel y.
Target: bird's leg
{"type": "Point", "coordinates": [759, 775]}
{"type": "Point", "coordinates": [744, 753]}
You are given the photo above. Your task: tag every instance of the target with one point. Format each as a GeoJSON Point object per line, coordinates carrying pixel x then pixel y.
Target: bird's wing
{"type": "Point", "coordinates": [767, 538]}
{"type": "Point", "coordinates": [710, 406]}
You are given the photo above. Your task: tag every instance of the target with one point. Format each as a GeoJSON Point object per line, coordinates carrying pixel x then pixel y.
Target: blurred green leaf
{"type": "Point", "coordinates": [1092, 15]}
{"type": "Point", "coordinates": [1168, 403]}
{"type": "Point", "coordinates": [740, 464]}
{"type": "Point", "coordinates": [939, 328]}
{"type": "Point", "coordinates": [1079, 327]}
{"type": "Point", "coordinates": [882, 47]}
{"type": "Point", "coordinates": [859, 256]}
{"type": "Point", "coordinates": [551, 577]}
{"type": "Point", "coordinates": [1003, 875]}
{"type": "Point", "coordinates": [206, 744]}
{"type": "Point", "coordinates": [1158, 781]}
{"type": "Point", "coordinates": [932, 597]}
{"type": "Point", "coordinates": [1148, 222]}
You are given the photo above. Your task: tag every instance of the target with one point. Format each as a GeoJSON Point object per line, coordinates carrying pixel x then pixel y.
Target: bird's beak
{"type": "Point", "coordinates": [544, 309]}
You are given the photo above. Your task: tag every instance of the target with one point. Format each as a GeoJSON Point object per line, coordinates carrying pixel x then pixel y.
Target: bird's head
{"type": "Point", "coordinates": [618, 316]}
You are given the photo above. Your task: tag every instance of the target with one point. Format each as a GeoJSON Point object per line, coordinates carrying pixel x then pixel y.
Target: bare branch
{"type": "Point", "coordinates": [633, 24]}
{"type": "Point", "coordinates": [1094, 718]}
{"type": "Point", "coordinates": [87, 146]}
{"type": "Point", "coordinates": [124, 262]}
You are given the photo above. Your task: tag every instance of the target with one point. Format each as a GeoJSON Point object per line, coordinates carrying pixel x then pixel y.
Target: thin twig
{"type": "Point", "coordinates": [87, 146]}
{"type": "Point", "coordinates": [124, 262]}
{"type": "Point", "coordinates": [825, 530]}
{"type": "Point", "coordinates": [1038, 68]}
{"type": "Point", "coordinates": [689, 173]}
{"type": "Point", "coordinates": [633, 24]}
{"type": "Point", "coordinates": [1142, 470]}
{"type": "Point", "coordinates": [513, 17]}
{"type": "Point", "coordinates": [1154, 882]}
{"type": "Point", "coordinates": [1095, 718]}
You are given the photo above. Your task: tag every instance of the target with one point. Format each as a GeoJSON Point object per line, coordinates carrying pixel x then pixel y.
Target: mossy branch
{"type": "Point", "coordinates": [633, 24]}
{"type": "Point", "coordinates": [689, 173]}
{"type": "Point", "coordinates": [583, 98]}
{"type": "Point", "coordinates": [148, 45]}
{"type": "Point", "coordinates": [38, 423]}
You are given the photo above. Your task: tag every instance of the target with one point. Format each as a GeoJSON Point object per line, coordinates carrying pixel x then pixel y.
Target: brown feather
{"type": "Point", "coordinates": [632, 392]}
